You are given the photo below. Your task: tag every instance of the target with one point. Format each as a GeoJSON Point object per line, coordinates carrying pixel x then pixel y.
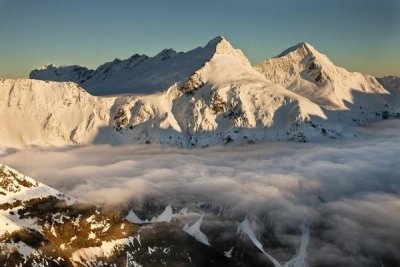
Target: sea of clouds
{"type": "Point", "coordinates": [347, 192]}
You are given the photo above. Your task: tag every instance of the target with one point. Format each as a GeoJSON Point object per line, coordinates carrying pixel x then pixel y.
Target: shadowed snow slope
{"type": "Point", "coordinates": [72, 73]}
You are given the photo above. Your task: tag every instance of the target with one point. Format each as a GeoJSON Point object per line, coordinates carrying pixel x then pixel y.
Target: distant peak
{"type": "Point", "coordinates": [166, 54]}
{"type": "Point", "coordinates": [303, 46]}
{"type": "Point", "coordinates": [167, 51]}
{"type": "Point", "coordinates": [136, 55]}
{"type": "Point", "coordinates": [219, 43]}
{"type": "Point", "coordinates": [47, 66]}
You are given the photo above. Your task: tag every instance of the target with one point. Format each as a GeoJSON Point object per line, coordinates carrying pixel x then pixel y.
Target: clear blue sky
{"type": "Point", "coordinates": [361, 35]}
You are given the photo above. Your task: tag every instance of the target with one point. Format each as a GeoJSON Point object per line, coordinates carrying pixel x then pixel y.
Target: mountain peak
{"type": "Point", "coordinates": [166, 54]}
{"type": "Point", "coordinates": [220, 46]}
{"type": "Point", "coordinates": [216, 40]}
{"type": "Point", "coordinates": [47, 66]}
{"type": "Point", "coordinates": [219, 43]}
{"type": "Point", "coordinates": [300, 47]}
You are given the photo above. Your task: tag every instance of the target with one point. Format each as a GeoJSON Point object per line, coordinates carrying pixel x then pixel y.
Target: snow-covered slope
{"type": "Point", "coordinates": [40, 225]}
{"type": "Point", "coordinates": [49, 113]}
{"type": "Point", "coordinates": [307, 72]}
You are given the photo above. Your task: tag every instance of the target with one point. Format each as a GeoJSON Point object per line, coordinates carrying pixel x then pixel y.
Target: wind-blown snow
{"type": "Point", "coordinates": [195, 231]}
{"type": "Point", "coordinates": [166, 216]}
{"type": "Point", "coordinates": [228, 253]}
{"type": "Point", "coordinates": [245, 228]}
{"type": "Point", "coordinates": [300, 260]}
{"type": "Point", "coordinates": [133, 218]}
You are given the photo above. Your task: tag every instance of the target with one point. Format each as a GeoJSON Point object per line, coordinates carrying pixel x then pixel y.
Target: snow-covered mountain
{"type": "Point", "coordinates": [224, 101]}
{"type": "Point", "coordinates": [307, 72]}
{"type": "Point", "coordinates": [137, 74]}
{"type": "Point", "coordinates": [208, 96]}
{"type": "Point", "coordinates": [51, 72]}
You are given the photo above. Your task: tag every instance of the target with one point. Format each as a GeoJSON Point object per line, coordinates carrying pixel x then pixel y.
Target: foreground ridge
{"type": "Point", "coordinates": [40, 226]}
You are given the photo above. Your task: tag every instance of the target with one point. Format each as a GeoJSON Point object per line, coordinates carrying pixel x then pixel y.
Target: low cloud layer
{"type": "Point", "coordinates": [347, 191]}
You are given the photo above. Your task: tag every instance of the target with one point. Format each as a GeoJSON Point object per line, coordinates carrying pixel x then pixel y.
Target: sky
{"type": "Point", "coordinates": [360, 35]}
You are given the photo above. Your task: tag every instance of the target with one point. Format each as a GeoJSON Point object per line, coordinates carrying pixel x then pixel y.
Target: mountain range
{"type": "Point", "coordinates": [208, 96]}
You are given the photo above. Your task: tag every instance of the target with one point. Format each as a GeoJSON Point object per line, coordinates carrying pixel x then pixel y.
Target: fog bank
{"type": "Point", "coordinates": [347, 191]}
